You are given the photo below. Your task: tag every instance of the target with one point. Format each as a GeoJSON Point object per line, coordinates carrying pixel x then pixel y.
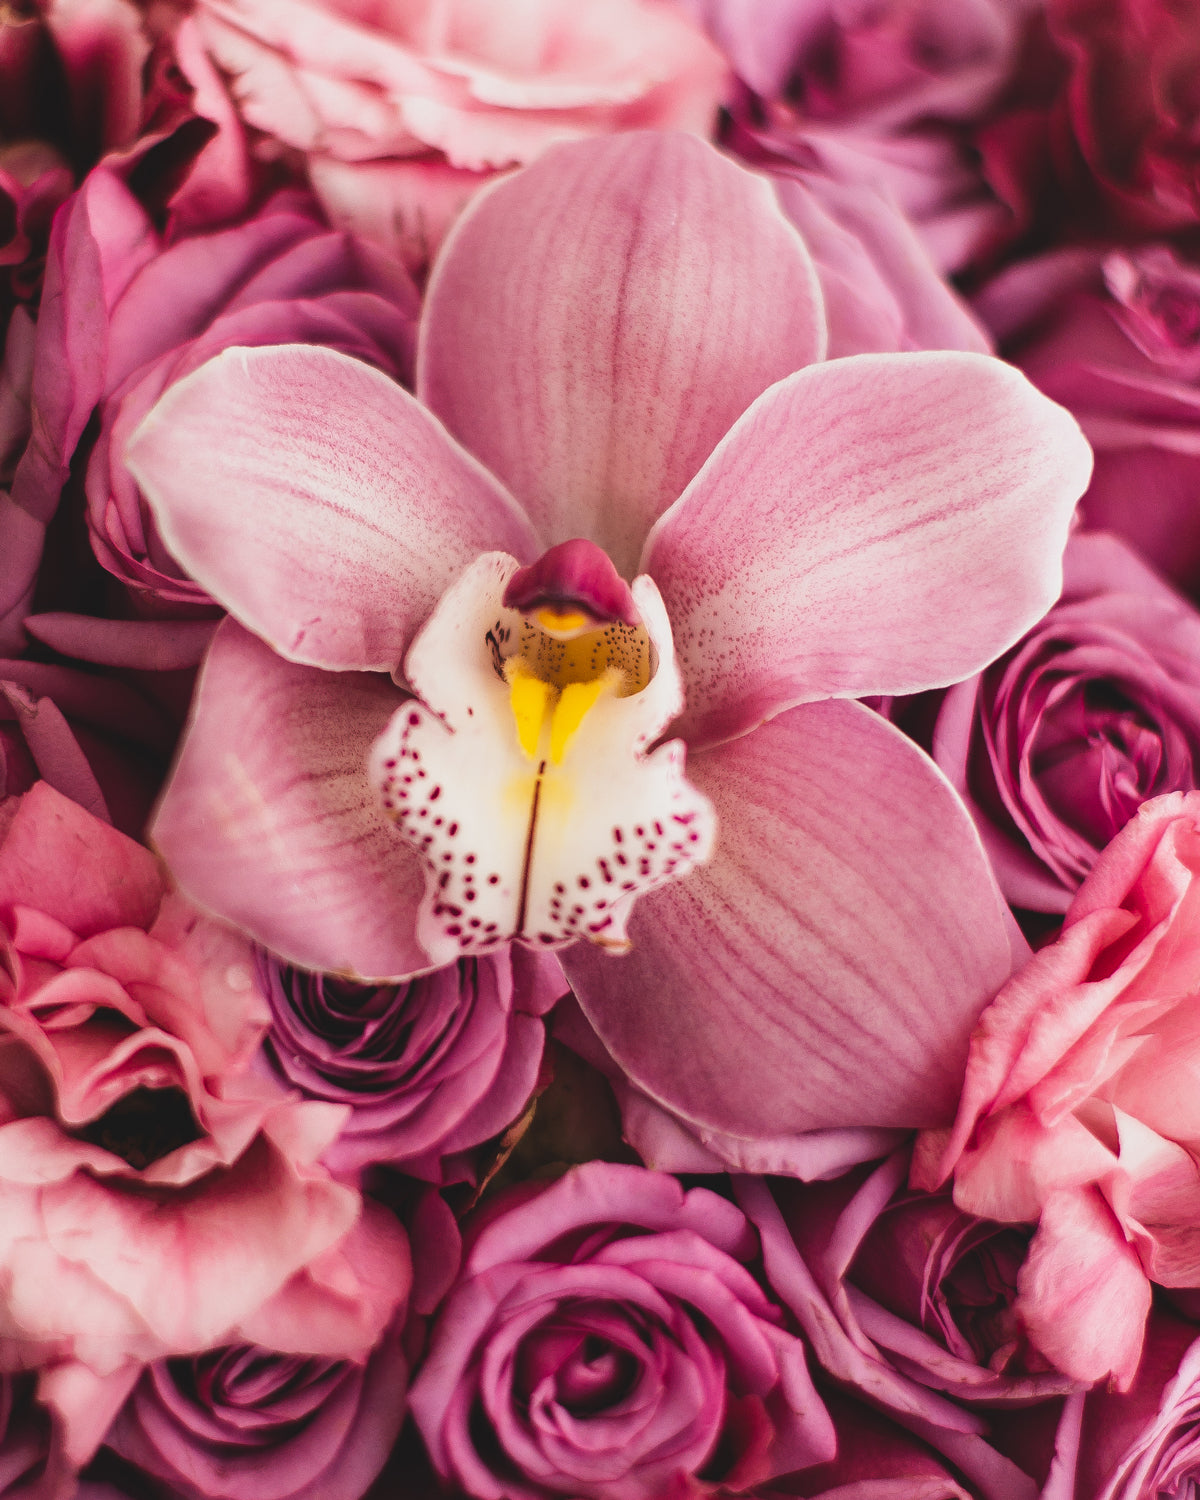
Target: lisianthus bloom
{"type": "Point", "coordinates": [1058, 743]}
{"type": "Point", "coordinates": [169, 1198]}
{"type": "Point", "coordinates": [1078, 1106]}
{"type": "Point", "coordinates": [618, 334]}
{"type": "Point", "coordinates": [402, 112]}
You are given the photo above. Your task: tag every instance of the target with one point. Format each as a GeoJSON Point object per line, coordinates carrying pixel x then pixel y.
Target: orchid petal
{"type": "Point", "coordinates": [269, 820]}
{"type": "Point", "coordinates": [317, 501]}
{"type": "Point", "coordinates": [827, 967]}
{"type": "Point", "coordinates": [549, 851]}
{"type": "Point", "coordinates": [884, 523]}
{"type": "Point", "coordinates": [597, 322]}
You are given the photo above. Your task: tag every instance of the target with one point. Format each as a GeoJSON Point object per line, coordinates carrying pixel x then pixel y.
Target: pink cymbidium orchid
{"type": "Point", "coordinates": [620, 377]}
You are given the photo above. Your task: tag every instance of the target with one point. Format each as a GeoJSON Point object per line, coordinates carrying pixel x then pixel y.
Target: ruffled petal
{"type": "Point", "coordinates": [597, 322]}
{"type": "Point", "coordinates": [826, 969]}
{"type": "Point", "coordinates": [316, 500]}
{"type": "Point", "coordinates": [269, 819]}
{"type": "Point", "coordinates": [879, 524]}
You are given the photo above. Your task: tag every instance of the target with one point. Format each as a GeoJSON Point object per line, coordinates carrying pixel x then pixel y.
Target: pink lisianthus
{"type": "Point", "coordinates": [429, 1069]}
{"type": "Point", "coordinates": [628, 334]}
{"type": "Point", "coordinates": [169, 1198]}
{"type": "Point", "coordinates": [1057, 744]}
{"type": "Point", "coordinates": [605, 1338]}
{"type": "Point", "coordinates": [1116, 338]}
{"type": "Point", "coordinates": [128, 315]}
{"type": "Point", "coordinates": [1078, 1107]}
{"type": "Point", "coordinates": [403, 112]}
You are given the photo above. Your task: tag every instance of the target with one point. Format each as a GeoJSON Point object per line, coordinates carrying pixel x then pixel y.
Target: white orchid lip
{"type": "Point", "coordinates": [520, 772]}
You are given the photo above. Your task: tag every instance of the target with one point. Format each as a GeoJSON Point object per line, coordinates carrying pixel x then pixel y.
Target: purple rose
{"type": "Point", "coordinates": [1146, 1442]}
{"type": "Point", "coordinates": [1116, 339]}
{"type": "Point", "coordinates": [1058, 743]}
{"type": "Point", "coordinates": [875, 62]}
{"type": "Point", "coordinates": [129, 313]}
{"type": "Point", "coordinates": [246, 1423]}
{"type": "Point", "coordinates": [605, 1338]}
{"type": "Point", "coordinates": [429, 1067]}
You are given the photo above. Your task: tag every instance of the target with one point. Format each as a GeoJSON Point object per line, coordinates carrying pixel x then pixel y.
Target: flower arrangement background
{"type": "Point", "coordinates": [599, 736]}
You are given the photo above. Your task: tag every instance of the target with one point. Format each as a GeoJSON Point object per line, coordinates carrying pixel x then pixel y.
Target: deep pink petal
{"type": "Point", "coordinates": [598, 321]}
{"type": "Point", "coordinates": [269, 819]}
{"type": "Point", "coordinates": [827, 967]}
{"type": "Point", "coordinates": [879, 524]}
{"type": "Point", "coordinates": [314, 499]}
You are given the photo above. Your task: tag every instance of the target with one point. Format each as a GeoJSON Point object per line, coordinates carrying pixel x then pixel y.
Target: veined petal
{"type": "Point", "coordinates": [521, 846]}
{"type": "Point", "coordinates": [317, 501]}
{"type": "Point", "coordinates": [596, 323]}
{"type": "Point", "coordinates": [269, 819]}
{"type": "Point", "coordinates": [828, 965]}
{"type": "Point", "coordinates": [879, 524]}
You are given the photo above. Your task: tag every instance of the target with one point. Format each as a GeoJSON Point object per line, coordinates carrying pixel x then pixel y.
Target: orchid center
{"type": "Point", "coordinates": [521, 771]}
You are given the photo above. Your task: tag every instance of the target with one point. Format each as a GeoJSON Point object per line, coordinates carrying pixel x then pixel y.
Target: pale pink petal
{"type": "Point", "coordinates": [1081, 1293]}
{"type": "Point", "coordinates": [314, 499]}
{"type": "Point", "coordinates": [829, 964]}
{"type": "Point", "coordinates": [269, 819]}
{"type": "Point", "coordinates": [57, 858]}
{"type": "Point", "coordinates": [879, 524]}
{"type": "Point", "coordinates": [598, 321]}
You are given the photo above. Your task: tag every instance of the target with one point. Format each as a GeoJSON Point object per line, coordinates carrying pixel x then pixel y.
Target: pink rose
{"type": "Point", "coordinates": [242, 1422]}
{"type": "Point", "coordinates": [1146, 1442]}
{"type": "Point", "coordinates": [1057, 744]}
{"type": "Point", "coordinates": [1100, 139]}
{"type": "Point", "coordinates": [130, 314]}
{"type": "Point", "coordinates": [1079, 1103]}
{"type": "Point", "coordinates": [429, 1068]}
{"type": "Point", "coordinates": [402, 114]}
{"type": "Point", "coordinates": [167, 1195]}
{"type": "Point", "coordinates": [70, 89]}
{"type": "Point", "coordinates": [1116, 339]}
{"type": "Point", "coordinates": [873, 62]}
{"type": "Point", "coordinates": [881, 286]}
{"type": "Point", "coordinates": [606, 1339]}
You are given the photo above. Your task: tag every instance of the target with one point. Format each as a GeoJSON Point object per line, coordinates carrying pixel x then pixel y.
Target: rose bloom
{"type": "Point", "coordinates": [511, 788]}
{"type": "Point", "coordinates": [167, 1196]}
{"type": "Point", "coordinates": [1078, 1110]}
{"type": "Point", "coordinates": [95, 739]}
{"type": "Point", "coordinates": [1099, 139]}
{"type": "Point", "coordinates": [131, 313]}
{"type": "Point", "coordinates": [1058, 743]}
{"type": "Point", "coordinates": [241, 1422]}
{"type": "Point", "coordinates": [605, 1339]}
{"type": "Point", "coordinates": [403, 112]}
{"type": "Point", "coordinates": [1146, 1441]}
{"type": "Point", "coordinates": [869, 63]}
{"type": "Point", "coordinates": [429, 1068]}
{"type": "Point", "coordinates": [1116, 339]}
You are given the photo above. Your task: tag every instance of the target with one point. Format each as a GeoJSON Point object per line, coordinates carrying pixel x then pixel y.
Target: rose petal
{"type": "Point", "coordinates": [597, 322]}
{"type": "Point", "coordinates": [829, 964]}
{"type": "Point", "coordinates": [879, 524]}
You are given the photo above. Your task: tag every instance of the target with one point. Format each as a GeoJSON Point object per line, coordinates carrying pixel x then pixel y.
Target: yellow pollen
{"type": "Point", "coordinates": [530, 698]}
{"type": "Point", "coordinates": [573, 704]}
{"type": "Point", "coordinates": [550, 618]}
